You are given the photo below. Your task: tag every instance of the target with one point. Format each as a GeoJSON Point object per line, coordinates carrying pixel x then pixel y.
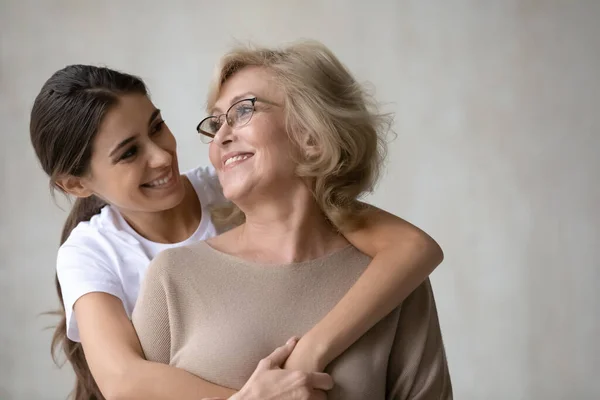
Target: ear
{"type": "Point", "coordinates": [311, 148]}
{"type": "Point", "coordinates": [74, 185]}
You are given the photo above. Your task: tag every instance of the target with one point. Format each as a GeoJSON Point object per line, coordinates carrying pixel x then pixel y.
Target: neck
{"type": "Point", "coordinates": [169, 226]}
{"type": "Point", "coordinates": [286, 229]}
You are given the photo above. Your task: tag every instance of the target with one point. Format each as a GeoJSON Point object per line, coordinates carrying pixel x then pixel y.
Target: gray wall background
{"type": "Point", "coordinates": [498, 156]}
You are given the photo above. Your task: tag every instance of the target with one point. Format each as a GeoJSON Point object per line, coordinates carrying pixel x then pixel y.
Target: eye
{"type": "Point", "coordinates": [244, 110]}
{"type": "Point", "coordinates": [157, 128]}
{"type": "Point", "coordinates": [131, 152]}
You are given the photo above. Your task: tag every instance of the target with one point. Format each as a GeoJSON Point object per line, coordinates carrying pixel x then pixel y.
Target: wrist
{"type": "Point", "coordinates": [319, 349]}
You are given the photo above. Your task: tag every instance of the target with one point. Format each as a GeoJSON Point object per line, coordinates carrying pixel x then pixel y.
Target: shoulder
{"type": "Point", "coordinates": [174, 271]}
{"type": "Point", "coordinates": [99, 243]}
{"type": "Point", "coordinates": [100, 228]}
{"type": "Point", "coordinates": [85, 263]}
{"type": "Point", "coordinates": [88, 241]}
{"type": "Point", "coordinates": [350, 255]}
{"type": "Point", "coordinates": [182, 265]}
{"type": "Point", "coordinates": [172, 263]}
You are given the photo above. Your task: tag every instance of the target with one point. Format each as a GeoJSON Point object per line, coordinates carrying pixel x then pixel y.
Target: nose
{"type": "Point", "coordinates": [224, 135]}
{"type": "Point", "coordinates": [158, 157]}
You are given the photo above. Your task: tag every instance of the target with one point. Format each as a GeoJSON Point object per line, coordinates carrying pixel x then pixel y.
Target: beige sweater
{"type": "Point", "coordinates": [217, 316]}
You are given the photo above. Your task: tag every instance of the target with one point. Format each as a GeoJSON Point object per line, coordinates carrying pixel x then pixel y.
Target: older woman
{"type": "Point", "coordinates": [295, 142]}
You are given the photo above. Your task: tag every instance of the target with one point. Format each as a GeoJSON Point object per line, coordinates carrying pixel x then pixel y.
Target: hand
{"type": "Point", "coordinates": [305, 357]}
{"type": "Point", "coordinates": [270, 382]}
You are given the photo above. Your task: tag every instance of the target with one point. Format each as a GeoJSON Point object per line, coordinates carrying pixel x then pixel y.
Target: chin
{"type": "Point", "coordinates": [180, 194]}
{"type": "Point", "coordinates": [234, 192]}
{"type": "Point", "coordinates": [230, 195]}
{"type": "Point", "coordinates": [169, 201]}
{"type": "Point", "coordinates": [170, 204]}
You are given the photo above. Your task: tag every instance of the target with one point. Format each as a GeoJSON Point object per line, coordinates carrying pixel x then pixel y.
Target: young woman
{"type": "Point", "coordinates": [99, 138]}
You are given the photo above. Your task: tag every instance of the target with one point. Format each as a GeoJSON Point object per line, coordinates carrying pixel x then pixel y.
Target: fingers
{"type": "Point", "coordinates": [320, 380]}
{"type": "Point", "coordinates": [278, 357]}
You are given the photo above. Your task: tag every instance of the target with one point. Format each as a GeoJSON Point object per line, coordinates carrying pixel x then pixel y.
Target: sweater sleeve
{"type": "Point", "coordinates": [150, 316]}
{"type": "Point", "coordinates": [417, 368]}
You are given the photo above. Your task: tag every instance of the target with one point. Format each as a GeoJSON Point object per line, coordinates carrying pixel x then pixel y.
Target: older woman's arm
{"type": "Point", "coordinates": [403, 257]}
{"type": "Point", "coordinates": [417, 366]}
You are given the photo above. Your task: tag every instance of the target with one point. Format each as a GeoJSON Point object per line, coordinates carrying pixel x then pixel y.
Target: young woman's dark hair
{"type": "Point", "coordinates": [65, 118]}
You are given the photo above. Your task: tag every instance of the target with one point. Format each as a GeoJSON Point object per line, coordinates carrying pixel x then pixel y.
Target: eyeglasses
{"type": "Point", "coordinates": [238, 115]}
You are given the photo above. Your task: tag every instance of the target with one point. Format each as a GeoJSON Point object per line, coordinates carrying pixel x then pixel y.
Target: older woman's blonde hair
{"type": "Point", "coordinates": [329, 118]}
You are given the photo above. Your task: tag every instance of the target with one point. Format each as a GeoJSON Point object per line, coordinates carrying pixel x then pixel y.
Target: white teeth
{"type": "Point", "coordinates": [237, 158]}
{"type": "Point", "coordinates": [160, 182]}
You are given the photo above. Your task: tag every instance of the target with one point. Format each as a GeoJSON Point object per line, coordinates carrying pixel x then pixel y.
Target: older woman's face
{"type": "Point", "coordinates": [253, 161]}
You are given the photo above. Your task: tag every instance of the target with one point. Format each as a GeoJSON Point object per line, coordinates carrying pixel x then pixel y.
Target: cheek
{"type": "Point", "coordinates": [213, 154]}
{"type": "Point", "coordinates": [280, 147]}
{"type": "Point", "coordinates": [116, 184]}
{"type": "Point", "coordinates": [167, 140]}
{"type": "Point", "coordinates": [126, 179]}
{"type": "Point", "coordinates": [270, 136]}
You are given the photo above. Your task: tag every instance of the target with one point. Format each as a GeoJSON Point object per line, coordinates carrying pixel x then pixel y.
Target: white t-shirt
{"type": "Point", "coordinates": [107, 255]}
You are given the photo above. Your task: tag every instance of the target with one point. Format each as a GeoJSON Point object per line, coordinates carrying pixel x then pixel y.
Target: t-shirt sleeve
{"type": "Point", "coordinates": [417, 368]}
{"type": "Point", "coordinates": [82, 267]}
{"type": "Point", "coordinates": [151, 313]}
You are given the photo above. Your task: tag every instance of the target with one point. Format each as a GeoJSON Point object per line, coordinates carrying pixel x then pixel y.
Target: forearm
{"type": "Point", "coordinates": [371, 298]}
{"type": "Point", "coordinates": [116, 359]}
{"type": "Point", "coordinates": [403, 257]}
{"type": "Point", "coordinates": [145, 380]}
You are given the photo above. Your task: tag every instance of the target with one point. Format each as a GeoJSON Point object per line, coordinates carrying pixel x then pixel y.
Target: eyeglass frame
{"type": "Point", "coordinates": [253, 101]}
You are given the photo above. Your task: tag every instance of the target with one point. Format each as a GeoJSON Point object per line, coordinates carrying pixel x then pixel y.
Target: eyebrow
{"type": "Point", "coordinates": [130, 139]}
{"type": "Point", "coordinates": [239, 97]}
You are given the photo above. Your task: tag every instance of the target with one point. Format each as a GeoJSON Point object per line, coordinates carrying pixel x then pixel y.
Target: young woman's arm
{"type": "Point", "coordinates": [403, 257]}
{"type": "Point", "coordinates": [116, 360]}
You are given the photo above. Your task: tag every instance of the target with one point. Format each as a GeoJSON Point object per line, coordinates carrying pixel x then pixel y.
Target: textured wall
{"type": "Point", "coordinates": [497, 156]}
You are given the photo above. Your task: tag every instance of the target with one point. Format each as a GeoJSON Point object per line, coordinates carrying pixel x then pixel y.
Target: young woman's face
{"type": "Point", "coordinates": [134, 159]}
{"type": "Point", "coordinates": [254, 158]}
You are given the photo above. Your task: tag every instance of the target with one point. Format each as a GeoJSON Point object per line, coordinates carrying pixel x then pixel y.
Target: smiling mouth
{"type": "Point", "coordinates": [237, 159]}
{"type": "Point", "coordinates": [160, 183]}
